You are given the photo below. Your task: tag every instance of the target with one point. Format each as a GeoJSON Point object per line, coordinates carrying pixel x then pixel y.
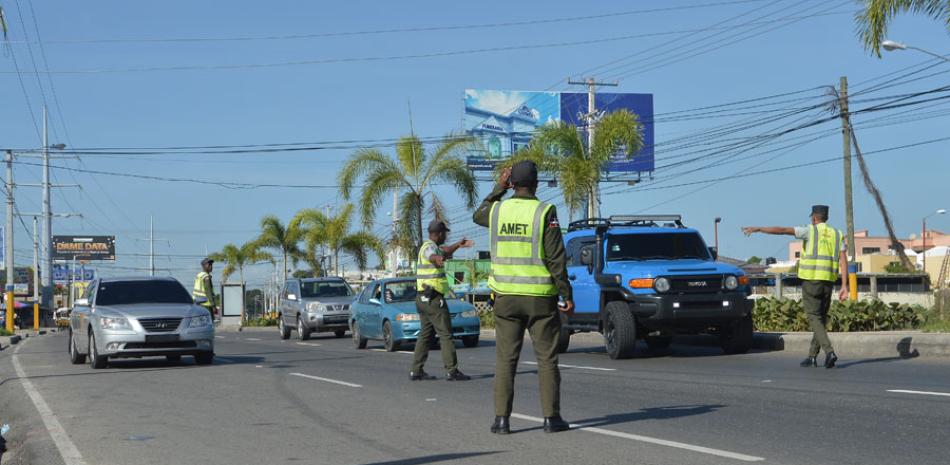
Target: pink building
{"type": "Point", "coordinates": [870, 245]}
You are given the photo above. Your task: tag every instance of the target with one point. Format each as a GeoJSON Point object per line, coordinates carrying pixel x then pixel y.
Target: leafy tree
{"type": "Point", "coordinates": [896, 267]}
{"type": "Point", "coordinates": [754, 260]}
{"type": "Point", "coordinates": [237, 258]}
{"type": "Point", "coordinates": [333, 232]}
{"type": "Point", "coordinates": [283, 239]}
{"type": "Point", "coordinates": [877, 15]}
{"type": "Point", "coordinates": [561, 150]}
{"type": "Point", "coordinates": [412, 175]}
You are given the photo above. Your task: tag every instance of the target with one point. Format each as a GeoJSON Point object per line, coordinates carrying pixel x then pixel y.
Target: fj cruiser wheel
{"type": "Point", "coordinates": [358, 340]}
{"type": "Point", "coordinates": [659, 342]}
{"type": "Point", "coordinates": [74, 356]}
{"type": "Point", "coordinates": [564, 336]}
{"type": "Point", "coordinates": [284, 330]}
{"type": "Point", "coordinates": [620, 331]}
{"type": "Point", "coordinates": [469, 341]}
{"type": "Point", "coordinates": [738, 338]}
{"type": "Point", "coordinates": [303, 332]}
{"type": "Point", "coordinates": [389, 342]}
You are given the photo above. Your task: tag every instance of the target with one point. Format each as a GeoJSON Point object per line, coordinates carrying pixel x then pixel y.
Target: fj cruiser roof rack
{"type": "Point", "coordinates": [627, 220]}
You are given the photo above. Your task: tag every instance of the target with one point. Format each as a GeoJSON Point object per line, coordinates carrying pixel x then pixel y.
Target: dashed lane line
{"type": "Point", "coordinates": [649, 440]}
{"type": "Point", "coordinates": [67, 449]}
{"type": "Point", "coordinates": [328, 380]}
{"type": "Point", "coordinates": [252, 339]}
{"type": "Point", "coordinates": [923, 393]}
{"type": "Point", "coordinates": [561, 365]}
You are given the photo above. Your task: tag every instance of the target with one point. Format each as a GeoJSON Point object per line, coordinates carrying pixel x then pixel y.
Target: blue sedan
{"type": "Point", "coordinates": [386, 311]}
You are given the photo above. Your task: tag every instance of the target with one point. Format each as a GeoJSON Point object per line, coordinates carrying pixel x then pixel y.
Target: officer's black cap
{"type": "Point", "coordinates": [437, 226]}
{"type": "Point", "coordinates": [524, 173]}
{"type": "Point", "coordinates": [207, 261]}
{"type": "Point", "coordinates": [820, 210]}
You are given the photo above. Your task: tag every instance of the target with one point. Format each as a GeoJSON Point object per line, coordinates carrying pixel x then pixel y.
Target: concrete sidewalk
{"type": "Point", "coordinates": [904, 344]}
{"type": "Point", "coordinates": [21, 334]}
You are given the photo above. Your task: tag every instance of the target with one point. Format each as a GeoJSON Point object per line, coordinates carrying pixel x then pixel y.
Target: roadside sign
{"type": "Point", "coordinates": [84, 248]}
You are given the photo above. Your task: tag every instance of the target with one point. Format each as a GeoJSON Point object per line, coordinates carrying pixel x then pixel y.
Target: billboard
{"type": "Point", "coordinates": [504, 121]}
{"type": "Point", "coordinates": [63, 274]}
{"type": "Point", "coordinates": [83, 248]}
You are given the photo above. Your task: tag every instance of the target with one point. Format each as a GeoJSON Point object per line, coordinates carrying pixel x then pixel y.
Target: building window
{"type": "Point", "coordinates": [798, 255]}
{"type": "Point", "coordinates": [870, 250]}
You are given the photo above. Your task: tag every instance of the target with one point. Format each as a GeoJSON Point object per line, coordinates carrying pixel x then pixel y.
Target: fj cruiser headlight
{"type": "Point", "coordinates": [731, 282]}
{"type": "Point", "coordinates": [315, 307]}
{"type": "Point", "coordinates": [661, 284]}
{"type": "Point", "coordinates": [407, 317]}
{"type": "Point", "coordinates": [114, 323]}
{"type": "Point", "coordinates": [200, 321]}
{"type": "Point", "coordinates": [470, 314]}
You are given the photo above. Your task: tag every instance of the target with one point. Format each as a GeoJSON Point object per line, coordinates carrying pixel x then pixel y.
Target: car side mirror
{"type": "Point", "coordinates": [374, 301]}
{"type": "Point", "coordinates": [714, 252]}
{"type": "Point", "coordinates": [81, 303]}
{"type": "Point", "coordinates": [291, 296]}
{"type": "Point", "coordinates": [587, 258]}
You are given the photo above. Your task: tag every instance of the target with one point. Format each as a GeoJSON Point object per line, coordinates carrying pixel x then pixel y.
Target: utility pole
{"type": "Point", "coordinates": [8, 244]}
{"type": "Point", "coordinates": [36, 276]}
{"type": "Point", "coordinates": [46, 274]}
{"type": "Point", "coordinates": [593, 203]}
{"type": "Point", "coordinates": [151, 245]}
{"type": "Point", "coordinates": [394, 254]}
{"type": "Point", "coordinates": [848, 199]}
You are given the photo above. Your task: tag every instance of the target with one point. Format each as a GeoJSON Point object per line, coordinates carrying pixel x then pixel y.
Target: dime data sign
{"type": "Point", "coordinates": [504, 121]}
{"type": "Point", "coordinates": [84, 248]}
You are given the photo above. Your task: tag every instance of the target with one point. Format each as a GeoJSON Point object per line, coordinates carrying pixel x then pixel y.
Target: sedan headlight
{"type": "Point", "coordinates": [470, 314]}
{"type": "Point", "coordinates": [115, 323]}
{"type": "Point", "coordinates": [315, 307]}
{"type": "Point", "coordinates": [407, 317]}
{"type": "Point", "coordinates": [661, 285]}
{"type": "Point", "coordinates": [200, 321]}
{"type": "Point", "coordinates": [731, 283]}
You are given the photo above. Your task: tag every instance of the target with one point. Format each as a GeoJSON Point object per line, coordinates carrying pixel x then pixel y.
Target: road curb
{"type": "Point", "coordinates": [898, 344]}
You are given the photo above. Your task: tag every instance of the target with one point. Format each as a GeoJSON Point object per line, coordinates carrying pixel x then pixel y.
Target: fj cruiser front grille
{"type": "Point", "coordinates": [696, 284]}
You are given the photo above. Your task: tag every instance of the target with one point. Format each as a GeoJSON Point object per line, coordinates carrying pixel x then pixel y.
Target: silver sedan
{"type": "Point", "coordinates": [139, 317]}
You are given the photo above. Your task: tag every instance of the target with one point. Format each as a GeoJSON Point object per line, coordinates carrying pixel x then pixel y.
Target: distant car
{"type": "Point", "coordinates": [314, 305]}
{"type": "Point", "coordinates": [138, 317]}
{"type": "Point", "coordinates": [386, 310]}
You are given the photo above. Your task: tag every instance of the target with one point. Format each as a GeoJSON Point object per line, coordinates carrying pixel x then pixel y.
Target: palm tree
{"type": "Point", "coordinates": [877, 15]}
{"type": "Point", "coordinates": [411, 175]}
{"type": "Point", "coordinates": [284, 239]}
{"type": "Point", "coordinates": [558, 149]}
{"type": "Point", "coordinates": [333, 232]}
{"type": "Point", "coordinates": [237, 258]}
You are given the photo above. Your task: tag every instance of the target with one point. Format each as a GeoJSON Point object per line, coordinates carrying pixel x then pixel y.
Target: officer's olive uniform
{"type": "Point", "coordinates": [203, 292]}
{"type": "Point", "coordinates": [434, 313]}
{"type": "Point", "coordinates": [528, 273]}
{"type": "Point", "coordinates": [818, 269]}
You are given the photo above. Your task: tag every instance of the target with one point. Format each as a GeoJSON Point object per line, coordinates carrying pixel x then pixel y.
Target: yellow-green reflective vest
{"type": "Point", "coordinates": [428, 274]}
{"type": "Point", "coordinates": [517, 252]}
{"type": "Point", "coordinates": [819, 260]}
{"type": "Point", "coordinates": [199, 291]}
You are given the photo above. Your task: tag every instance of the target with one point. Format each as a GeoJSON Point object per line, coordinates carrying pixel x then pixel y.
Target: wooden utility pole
{"type": "Point", "coordinates": [593, 203]}
{"type": "Point", "coordinates": [848, 199]}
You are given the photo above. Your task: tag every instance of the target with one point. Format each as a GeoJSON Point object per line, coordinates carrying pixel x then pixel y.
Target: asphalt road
{"type": "Point", "coordinates": [324, 402]}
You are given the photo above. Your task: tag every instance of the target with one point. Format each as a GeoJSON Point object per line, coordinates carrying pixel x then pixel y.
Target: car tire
{"type": "Point", "coordinates": [74, 356]}
{"type": "Point", "coordinates": [389, 342]}
{"type": "Point", "coordinates": [659, 342]}
{"type": "Point", "coordinates": [339, 333]}
{"type": "Point", "coordinates": [97, 361]}
{"type": "Point", "coordinates": [564, 335]}
{"type": "Point", "coordinates": [620, 331]}
{"type": "Point", "coordinates": [358, 340]}
{"type": "Point", "coordinates": [303, 332]}
{"type": "Point", "coordinates": [738, 338]}
{"type": "Point", "coordinates": [284, 330]}
{"type": "Point", "coordinates": [173, 358]}
{"type": "Point", "coordinates": [469, 341]}
{"type": "Point", "coordinates": [204, 358]}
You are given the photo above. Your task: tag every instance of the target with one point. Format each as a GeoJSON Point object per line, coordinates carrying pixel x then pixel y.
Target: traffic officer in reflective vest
{"type": "Point", "coordinates": [430, 303]}
{"type": "Point", "coordinates": [528, 272]}
{"type": "Point", "coordinates": [203, 292]}
{"type": "Point", "coordinates": [818, 268]}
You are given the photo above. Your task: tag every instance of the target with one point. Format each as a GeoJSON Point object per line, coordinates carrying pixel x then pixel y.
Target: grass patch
{"type": "Point", "coordinates": [4, 332]}
{"type": "Point", "coordinates": [257, 322]}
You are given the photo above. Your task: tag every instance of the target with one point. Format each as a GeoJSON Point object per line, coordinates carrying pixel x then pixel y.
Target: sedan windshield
{"type": "Point", "coordinates": [660, 246]}
{"type": "Point", "coordinates": [310, 289]}
{"type": "Point", "coordinates": [142, 292]}
{"type": "Point", "coordinates": [401, 291]}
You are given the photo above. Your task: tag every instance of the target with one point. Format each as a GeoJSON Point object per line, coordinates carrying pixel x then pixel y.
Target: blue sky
{"type": "Point", "coordinates": [367, 99]}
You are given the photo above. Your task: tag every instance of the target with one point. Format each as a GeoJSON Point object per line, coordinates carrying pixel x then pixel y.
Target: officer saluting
{"type": "Point", "coordinates": [528, 272]}
{"type": "Point", "coordinates": [818, 268]}
{"type": "Point", "coordinates": [430, 303]}
{"type": "Point", "coordinates": [203, 292]}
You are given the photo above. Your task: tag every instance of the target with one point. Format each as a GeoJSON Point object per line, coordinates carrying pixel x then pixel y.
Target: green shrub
{"type": "Point", "coordinates": [487, 318]}
{"type": "Point", "coordinates": [4, 332]}
{"type": "Point", "coordinates": [866, 315]}
{"type": "Point", "coordinates": [261, 322]}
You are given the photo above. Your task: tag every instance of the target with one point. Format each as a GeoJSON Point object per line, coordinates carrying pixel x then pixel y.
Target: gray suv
{"type": "Point", "coordinates": [315, 305]}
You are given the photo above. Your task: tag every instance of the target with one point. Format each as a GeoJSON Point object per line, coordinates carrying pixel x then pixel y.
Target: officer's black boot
{"type": "Point", "coordinates": [456, 375]}
{"type": "Point", "coordinates": [555, 424]}
{"type": "Point", "coordinates": [420, 376]}
{"type": "Point", "coordinates": [501, 426]}
{"type": "Point", "coordinates": [830, 360]}
{"type": "Point", "coordinates": [810, 361]}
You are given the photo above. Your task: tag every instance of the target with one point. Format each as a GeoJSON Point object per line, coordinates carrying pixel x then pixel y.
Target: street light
{"type": "Point", "coordinates": [892, 45]}
{"type": "Point", "coordinates": [923, 236]}
{"type": "Point", "coordinates": [716, 227]}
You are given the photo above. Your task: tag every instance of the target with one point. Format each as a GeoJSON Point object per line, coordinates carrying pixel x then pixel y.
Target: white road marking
{"type": "Point", "coordinates": [328, 380]}
{"type": "Point", "coordinates": [406, 352]}
{"type": "Point", "coordinates": [766, 381]}
{"type": "Point", "coordinates": [311, 344]}
{"type": "Point", "coordinates": [67, 450]}
{"type": "Point", "coordinates": [398, 351]}
{"type": "Point", "coordinates": [251, 339]}
{"type": "Point", "coordinates": [924, 393]}
{"type": "Point", "coordinates": [647, 439]}
{"type": "Point", "coordinates": [258, 366]}
{"type": "Point", "coordinates": [219, 337]}
{"type": "Point", "coordinates": [561, 365]}
{"type": "Point", "coordinates": [378, 350]}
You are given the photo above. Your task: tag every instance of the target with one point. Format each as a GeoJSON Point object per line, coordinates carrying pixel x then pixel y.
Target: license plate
{"type": "Point", "coordinates": [161, 338]}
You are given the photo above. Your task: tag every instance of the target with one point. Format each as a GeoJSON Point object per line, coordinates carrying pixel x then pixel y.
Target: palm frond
{"type": "Point", "coordinates": [616, 130]}
{"type": "Point", "coordinates": [360, 164]}
{"type": "Point", "coordinates": [874, 19]}
{"type": "Point", "coordinates": [412, 156]}
{"type": "Point", "coordinates": [456, 172]}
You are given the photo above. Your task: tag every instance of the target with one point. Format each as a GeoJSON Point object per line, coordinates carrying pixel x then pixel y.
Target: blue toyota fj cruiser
{"type": "Point", "coordinates": [649, 277]}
